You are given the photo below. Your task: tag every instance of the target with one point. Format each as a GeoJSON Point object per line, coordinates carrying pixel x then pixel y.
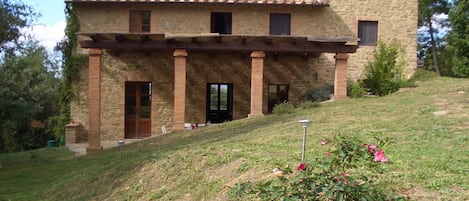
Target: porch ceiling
{"type": "Point", "coordinates": [218, 42]}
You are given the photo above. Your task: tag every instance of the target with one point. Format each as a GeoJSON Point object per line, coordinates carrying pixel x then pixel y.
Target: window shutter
{"type": "Point", "coordinates": [135, 22]}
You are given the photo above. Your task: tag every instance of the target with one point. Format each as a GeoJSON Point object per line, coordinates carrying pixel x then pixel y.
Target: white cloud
{"type": "Point", "coordinates": [47, 35]}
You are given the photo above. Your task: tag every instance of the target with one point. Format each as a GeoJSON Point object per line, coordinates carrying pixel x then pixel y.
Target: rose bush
{"type": "Point", "coordinates": [349, 170]}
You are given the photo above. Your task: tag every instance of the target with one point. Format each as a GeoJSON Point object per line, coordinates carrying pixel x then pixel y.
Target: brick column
{"type": "Point", "coordinates": [94, 100]}
{"type": "Point", "coordinates": [257, 83]}
{"type": "Point", "coordinates": [179, 111]}
{"type": "Point", "coordinates": [340, 83]}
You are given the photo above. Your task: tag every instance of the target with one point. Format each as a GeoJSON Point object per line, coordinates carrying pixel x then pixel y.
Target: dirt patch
{"type": "Point", "coordinates": [422, 194]}
{"type": "Point", "coordinates": [230, 175]}
{"type": "Point", "coordinates": [440, 113]}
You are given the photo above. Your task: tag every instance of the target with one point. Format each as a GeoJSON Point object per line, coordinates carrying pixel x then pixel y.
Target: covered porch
{"type": "Point", "coordinates": [182, 45]}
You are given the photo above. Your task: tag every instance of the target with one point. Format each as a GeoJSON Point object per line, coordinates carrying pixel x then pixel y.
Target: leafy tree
{"type": "Point", "coordinates": [458, 38]}
{"type": "Point", "coordinates": [428, 10]}
{"type": "Point", "coordinates": [29, 92]}
{"type": "Point", "coordinates": [13, 17]}
{"type": "Point", "coordinates": [28, 82]}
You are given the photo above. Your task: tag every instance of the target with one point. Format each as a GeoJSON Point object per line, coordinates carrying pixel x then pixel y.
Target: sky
{"type": "Point", "coordinates": [49, 28]}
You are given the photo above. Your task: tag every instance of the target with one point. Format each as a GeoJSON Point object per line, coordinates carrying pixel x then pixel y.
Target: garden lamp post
{"type": "Point", "coordinates": [305, 123]}
{"type": "Point", "coordinates": [120, 143]}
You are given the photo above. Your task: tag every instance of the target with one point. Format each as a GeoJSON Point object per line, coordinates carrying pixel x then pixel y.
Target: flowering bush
{"type": "Point", "coordinates": [349, 170]}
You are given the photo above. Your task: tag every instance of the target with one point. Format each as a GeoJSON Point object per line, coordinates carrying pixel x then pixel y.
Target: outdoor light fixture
{"type": "Point", "coordinates": [305, 123]}
{"type": "Point", "coordinates": [120, 143]}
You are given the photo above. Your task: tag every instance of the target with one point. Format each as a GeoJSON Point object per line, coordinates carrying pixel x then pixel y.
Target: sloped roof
{"type": "Point", "coordinates": [262, 2]}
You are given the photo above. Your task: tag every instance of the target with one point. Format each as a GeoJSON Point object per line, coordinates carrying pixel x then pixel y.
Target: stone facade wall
{"type": "Point", "coordinates": [157, 67]}
{"type": "Point", "coordinates": [396, 19]}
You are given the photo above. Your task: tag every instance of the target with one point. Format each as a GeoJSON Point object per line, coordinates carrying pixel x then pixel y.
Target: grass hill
{"type": "Point", "coordinates": [427, 128]}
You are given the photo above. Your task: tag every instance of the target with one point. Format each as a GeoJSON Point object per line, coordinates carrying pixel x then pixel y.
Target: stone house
{"type": "Point", "coordinates": [155, 63]}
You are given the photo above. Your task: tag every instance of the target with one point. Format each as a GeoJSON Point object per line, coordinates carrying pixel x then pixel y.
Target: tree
{"type": "Point", "coordinates": [13, 17]}
{"type": "Point", "coordinates": [384, 72]}
{"type": "Point", "coordinates": [458, 38]}
{"type": "Point", "coordinates": [428, 12]}
{"type": "Point", "coordinates": [29, 86]}
{"type": "Point", "coordinates": [29, 92]}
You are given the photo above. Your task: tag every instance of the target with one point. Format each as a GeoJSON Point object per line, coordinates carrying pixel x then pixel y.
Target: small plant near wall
{"type": "Point", "coordinates": [384, 72]}
{"type": "Point", "coordinates": [283, 108]}
{"type": "Point", "coordinates": [348, 170]}
{"type": "Point", "coordinates": [357, 89]}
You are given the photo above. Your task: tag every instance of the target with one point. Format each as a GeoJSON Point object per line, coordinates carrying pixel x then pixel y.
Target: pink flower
{"type": "Point", "coordinates": [371, 148]}
{"type": "Point", "coordinates": [346, 174]}
{"type": "Point", "coordinates": [379, 156]}
{"type": "Point", "coordinates": [327, 153]}
{"type": "Point", "coordinates": [324, 142]}
{"type": "Point", "coordinates": [301, 167]}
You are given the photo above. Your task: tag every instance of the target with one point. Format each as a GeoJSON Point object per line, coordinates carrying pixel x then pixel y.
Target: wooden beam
{"type": "Point", "coordinates": [171, 44]}
{"type": "Point", "coordinates": [121, 38]}
{"type": "Point", "coordinates": [145, 38]}
{"type": "Point", "coordinates": [98, 37]}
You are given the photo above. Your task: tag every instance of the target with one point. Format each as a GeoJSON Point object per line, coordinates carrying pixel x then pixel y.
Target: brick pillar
{"type": "Point", "coordinates": [340, 83]}
{"type": "Point", "coordinates": [257, 83]}
{"type": "Point", "coordinates": [94, 100]}
{"type": "Point", "coordinates": [179, 111]}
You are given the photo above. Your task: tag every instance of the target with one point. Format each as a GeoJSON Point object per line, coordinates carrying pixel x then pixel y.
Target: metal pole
{"type": "Point", "coordinates": [304, 145]}
{"type": "Point", "coordinates": [120, 151]}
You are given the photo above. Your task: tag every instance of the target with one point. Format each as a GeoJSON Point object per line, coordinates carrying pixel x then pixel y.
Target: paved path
{"type": "Point", "coordinates": [80, 148]}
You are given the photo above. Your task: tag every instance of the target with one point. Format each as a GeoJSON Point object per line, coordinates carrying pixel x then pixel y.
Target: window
{"type": "Point", "coordinates": [139, 21]}
{"type": "Point", "coordinates": [368, 32]}
{"type": "Point", "coordinates": [277, 94]}
{"type": "Point", "coordinates": [219, 102]}
{"type": "Point", "coordinates": [220, 23]}
{"type": "Point", "coordinates": [279, 24]}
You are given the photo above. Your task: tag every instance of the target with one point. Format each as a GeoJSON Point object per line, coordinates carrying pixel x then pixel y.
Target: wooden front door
{"type": "Point", "coordinates": [137, 109]}
{"type": "Point", "coordinates": [219, 102]}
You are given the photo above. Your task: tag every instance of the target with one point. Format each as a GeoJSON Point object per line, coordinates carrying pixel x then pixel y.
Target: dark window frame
{"type": "Point", "coordinates": [368, 32]}
{"type": "Point", "coordinates": [280, 24]}
{"type": "Point", "coordinates": [139, 21]}
{"type": "Point", "coordinates": [221, 22]}
{"type": "Point", "coordinates": [279, 96]}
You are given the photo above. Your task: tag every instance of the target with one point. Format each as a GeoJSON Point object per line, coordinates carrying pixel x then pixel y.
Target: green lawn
{"type": "Point", "coordinates": [427, 126]}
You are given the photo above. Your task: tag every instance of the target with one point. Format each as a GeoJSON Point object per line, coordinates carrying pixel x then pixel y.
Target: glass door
{"type": "Point", "coordinates": [219, 102]}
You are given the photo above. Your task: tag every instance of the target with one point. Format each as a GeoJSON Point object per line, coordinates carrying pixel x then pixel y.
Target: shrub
{"type": "Point", "coordinates": [283, 108]}
{"type": "Point", "coordinates": [357, 90]}
{"type": "Point", "coordinates": [349, 170]}
{"type": "Point", "coordinates": [318, 95]}
{"type": "Point", "coordinates": [384, 73]}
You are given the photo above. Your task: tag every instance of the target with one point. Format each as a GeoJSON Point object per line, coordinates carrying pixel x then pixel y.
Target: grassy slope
{"type": "Point", "coordinates": [427, 127]}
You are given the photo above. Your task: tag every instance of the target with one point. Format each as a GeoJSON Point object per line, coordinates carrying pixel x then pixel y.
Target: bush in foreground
{"type": "Point", "coordinates": [349, 170]}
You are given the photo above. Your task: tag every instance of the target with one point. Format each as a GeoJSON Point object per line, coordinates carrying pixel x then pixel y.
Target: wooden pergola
{"type": "Point", "coordinates": [218, 42]}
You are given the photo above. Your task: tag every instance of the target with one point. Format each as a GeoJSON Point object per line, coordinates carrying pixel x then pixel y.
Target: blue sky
{"type": "Point", "coordinates": [49, 28]}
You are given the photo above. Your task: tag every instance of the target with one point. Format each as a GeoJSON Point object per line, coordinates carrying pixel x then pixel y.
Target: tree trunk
{"type": "Point", "coordinates": [433, 44]}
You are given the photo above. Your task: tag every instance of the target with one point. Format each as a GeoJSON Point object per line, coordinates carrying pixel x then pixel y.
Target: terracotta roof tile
{"type": "Point", "coordinates": [283, 2]}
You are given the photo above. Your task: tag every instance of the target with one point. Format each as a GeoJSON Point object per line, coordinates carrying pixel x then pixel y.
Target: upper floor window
{"type": "Point", "coordinates": [139, 21]}
{"type": "Point", "coordinates": [220, 23]}
{"type": "Point", "coordinates": [279, 24]}
{"type": "Point", "coordinates": [368, 32]}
